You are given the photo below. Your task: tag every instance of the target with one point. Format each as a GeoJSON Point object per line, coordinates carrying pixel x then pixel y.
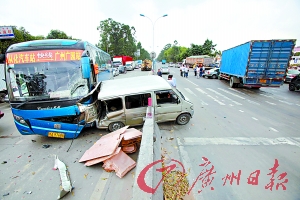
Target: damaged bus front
{"type": "Point", "coordinates": [46, 80]}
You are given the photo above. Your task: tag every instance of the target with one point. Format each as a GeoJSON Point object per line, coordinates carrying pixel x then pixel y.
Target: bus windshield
{"type": "Point", "coordinates": [46, 80]}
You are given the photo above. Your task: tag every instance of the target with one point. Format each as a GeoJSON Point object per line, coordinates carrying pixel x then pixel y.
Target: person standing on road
{"type": "Point", "coordinates": [171, 81]}
{"type": "Point", "coordinates": [186, 72]}
{"type": "Point", "coordinates": [195, 69]}
{"type": "Point", "coordinates": [198, 71]}
{"type": "Point", "coordinates": [159, 73]}
{"type": "Point", "coordinates": [203, 69]}
{"type": "Point", "coordinates": [181, 70]}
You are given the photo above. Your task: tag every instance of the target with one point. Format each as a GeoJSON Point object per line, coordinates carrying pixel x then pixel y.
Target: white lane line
{"type": "Point", "coordinates": [267, 96]}
{"type": "Point", "coordinates": [237, 91]}
{"type": "Point", "coordinates": [216, 100]}
{"type": "Point", "coordinates": [191, 82]}
{"type": "Point", "coordinates": [225, 97]}
{"type": "Point", "coordinates": [286, 102]}
{"type": "Point", "coordinates": [231, 93]}
{"type": "Point", "coordinates": [201, 91]}
{"type": "Point", "coordinates": [243, 141]}
{"type": "Point", "coordinates": [273, 129]}
{"type": "Point", "coordinates": [297, 104]}
{"type": "Point", "coordinates": [190, 91]}
{"type": "Point", "coordinates": [253, 102]}
{"type": "Point", "coordinates": [254, 118]}
{"type": "Point", "coordinates": [185, 158]}
{"type": "Point", "coordinates": [270, 103]}
{"type": "Point", "coordinates": [241, 110]}
{"type": "Point", "coordinates": [99, 187]}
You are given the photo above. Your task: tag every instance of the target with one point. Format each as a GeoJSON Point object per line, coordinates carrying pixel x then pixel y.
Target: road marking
{"type": "Point", "coordinates": [191, 82]}
{"type": "Point", "coordinates": [273, 129]}
{"type": "Point", "coordinates": [185, 159]}
{"type": "Point", "coordinates": [270, 103]}
{"type": "Point", "coordinates": [216, 100]}
{"type": "Point", "coordinates": [243, 141]}
{"type": "Point", "coordinates": [201, 91]}
{"type": "Point", "coordinates": [231, 93]}
{"type": "Point", "coordinates": [286, 102]}
{"type": "Point", "coordinates": [297, 104]}
{"type": "Point", "coordinates": [267, 96]}
{"type": "Point", "coordinates": [225, 97]}
{"type": "Point", "coordinates": [253, 102]}
{"type": "Point", "coordinates": [241, 110]}
{"type": "Point", "coordinates": [190, 91]}
{"type": "Point", "coordinates": [99, 188]}
{"type": "Point", "coordinates": [237, 91]}
{"type": "Point", "coordinates": [254, 118]}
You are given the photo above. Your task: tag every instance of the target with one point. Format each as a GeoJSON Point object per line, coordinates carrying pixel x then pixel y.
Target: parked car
{"type": "Point", "coordinates": [165, 69]}
{"type": "Point", "coordinates": [171, 64]}
{"type": "Point", "coordinates": [129, 66]}
{"type": "Point", "coordinates": [212, 73]}
{"type": "Point", "coordinates": [291, 73]}
{"type": "Point", "coordinates": [122, 69]}
{"type": "Point", "coordinates": [295, 83]}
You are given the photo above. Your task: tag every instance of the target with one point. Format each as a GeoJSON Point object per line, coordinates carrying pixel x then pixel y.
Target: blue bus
{"type": "Point", "coordinates": [50, 85]}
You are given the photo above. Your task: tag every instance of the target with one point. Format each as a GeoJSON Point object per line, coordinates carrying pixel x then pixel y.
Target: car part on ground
{"type": "Point", "coordinates": [295, 83]}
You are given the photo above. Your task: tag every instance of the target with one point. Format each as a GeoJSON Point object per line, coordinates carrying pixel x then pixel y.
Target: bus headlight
{"type": "Point", "coordinates": [20, 120]}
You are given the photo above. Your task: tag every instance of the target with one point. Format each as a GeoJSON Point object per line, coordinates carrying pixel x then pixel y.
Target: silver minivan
{"type": "Point", "coordinates": [124, 102]}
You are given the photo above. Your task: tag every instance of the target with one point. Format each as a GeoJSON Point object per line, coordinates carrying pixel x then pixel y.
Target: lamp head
{"type": "Point", "coordinates": [142, 15]}
{"type": "Point", "coordinates": [165, 15]}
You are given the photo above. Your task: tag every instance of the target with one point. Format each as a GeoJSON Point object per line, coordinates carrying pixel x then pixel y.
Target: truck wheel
{"type": "Point", "coordinates": [2, 97]}
{"type": "Point", "coordinates": [292, 87]}
{"type": "Point", "coordinates": [231, 83]}
{"type": "Point", "coordinates": [183, 119]}
{"type": "Point", "coordinates": [115, 126]}
{"type": "Point", "coordinates": [214, 76]}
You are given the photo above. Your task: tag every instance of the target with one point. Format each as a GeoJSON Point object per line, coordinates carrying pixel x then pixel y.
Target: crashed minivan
{"type": "Point", "coordinates": [124, 102]}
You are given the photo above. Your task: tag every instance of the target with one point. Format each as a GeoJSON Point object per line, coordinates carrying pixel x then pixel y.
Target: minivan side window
{"type": "Point", "coordinates": [114, 104]}
{"type": "Point", "coordinates": [166, 96]}
{"type": "Point", "coordinates": [136, 101]}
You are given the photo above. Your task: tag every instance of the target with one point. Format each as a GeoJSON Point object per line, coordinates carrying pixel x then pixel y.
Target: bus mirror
{"type": "Point", "coordinates": [2, 58]}
{"type": "Point", "coordinates": [86, 67]}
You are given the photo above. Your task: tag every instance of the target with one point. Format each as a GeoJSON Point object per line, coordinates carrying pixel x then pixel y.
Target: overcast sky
{"type": "Point", "coordinates": [226, 22]}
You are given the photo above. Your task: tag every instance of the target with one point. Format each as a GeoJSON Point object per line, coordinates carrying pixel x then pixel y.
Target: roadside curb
{"type": "Point", "coordinates": [150, 151]}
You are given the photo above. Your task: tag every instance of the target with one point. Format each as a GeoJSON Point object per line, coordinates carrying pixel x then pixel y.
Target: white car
{"type": "Point", "coordinates": [171, 64]}
{"type": "Point", "coordinates": [165, 70]}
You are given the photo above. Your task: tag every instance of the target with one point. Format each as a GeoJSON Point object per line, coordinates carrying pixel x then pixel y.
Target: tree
{"type": "Point", "coordinates": [57, 34]}
{"type": "Point", "coordinates": [161, 55]}
{"type": "Point", "coordinates": [116, 38]}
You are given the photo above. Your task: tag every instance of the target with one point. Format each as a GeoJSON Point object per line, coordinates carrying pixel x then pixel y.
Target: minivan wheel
{"type": "Point", "coordinates": [292, 87]}
{"type": "Point", "coordinates": [214, 76]}
{"type": "Point", "coordinates": [115, 126]}
{"type": "Point", "coordinates": [183, 119]}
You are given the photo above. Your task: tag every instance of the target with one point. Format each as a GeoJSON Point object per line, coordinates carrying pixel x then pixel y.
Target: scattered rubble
{"type": "Point", "coordinates": [111, 149]}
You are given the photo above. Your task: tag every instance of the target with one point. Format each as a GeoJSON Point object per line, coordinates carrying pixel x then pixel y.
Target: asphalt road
{"type": "Point", "coordinates": [241, 132]}
{"type": "Point", "coordinates": [238, 130]}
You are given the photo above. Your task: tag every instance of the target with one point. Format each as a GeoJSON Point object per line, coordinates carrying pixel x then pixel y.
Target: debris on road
{"type": "Point", "coordinates": [6, 194]}
{"type": "Point", "coordinates": [4, 162]}
{"type": "Point", "coordinates": [111, 149]}
{"type": "Point", "coordinates": [64, 177]}
{"type": "Point", "coordinates": [46, 146]}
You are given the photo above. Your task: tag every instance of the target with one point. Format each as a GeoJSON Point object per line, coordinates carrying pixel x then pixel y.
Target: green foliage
{"type": "Point", "coordinates": [117, 38]}
{"type": "Point", "coordinates": [297, 54]}
{"type": "Point", "coordinates": [57, 34]}
{"type": "Point", "coordinates": [161, 55]}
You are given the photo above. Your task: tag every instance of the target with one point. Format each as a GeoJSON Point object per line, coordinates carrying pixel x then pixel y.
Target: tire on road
{"type": "Point", "coordinates": [115, 126]}
{"type": "Point", "coordinates": [183, 119]}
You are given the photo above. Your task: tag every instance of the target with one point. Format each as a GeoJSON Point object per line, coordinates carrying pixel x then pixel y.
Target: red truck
{"type": "Point", "coordinates": [123, 59]}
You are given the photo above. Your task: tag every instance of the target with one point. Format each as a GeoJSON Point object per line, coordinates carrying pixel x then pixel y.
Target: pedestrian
{"type": "Point", "coordinates": [171, 80]}
{"type": "Point", "coordinates": [203, 69]}
{"type": "Point", "coordinates": [195, 69]}
{"type": "Point", "coordinates": [181, 70]}
{"type": "Point", "coordinates": [198, 71]}
{"type": "Point", "coordinates": [186, 72]}
{"type": "Point", "coordinates": [159, 73]}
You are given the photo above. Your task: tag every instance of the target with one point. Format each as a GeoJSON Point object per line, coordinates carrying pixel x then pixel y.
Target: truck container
{"type": "Point", "coordinates": [192, 60]}
{"type": "Point", "coordinates": [163, 61]}
{"type": "Point", "coordinates": [257, 63]}
{"type": "Point", "coordinates": [124, 59]}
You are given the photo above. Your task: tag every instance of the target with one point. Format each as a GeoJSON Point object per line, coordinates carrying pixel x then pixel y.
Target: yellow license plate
{"type": "Point", "coordinates": [262, 81]}
{"type": "Point", "coordinates": [56, 135]}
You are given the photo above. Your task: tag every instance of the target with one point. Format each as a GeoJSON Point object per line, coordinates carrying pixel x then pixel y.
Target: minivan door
{"type": "Point", "coordinates": [167, 106]}
{"type": "Point", "coordinates": [136, 107]}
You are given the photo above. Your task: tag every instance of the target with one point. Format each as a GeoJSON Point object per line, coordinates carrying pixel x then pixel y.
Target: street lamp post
{"type": "Point", "coordinates": [153, 24]}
